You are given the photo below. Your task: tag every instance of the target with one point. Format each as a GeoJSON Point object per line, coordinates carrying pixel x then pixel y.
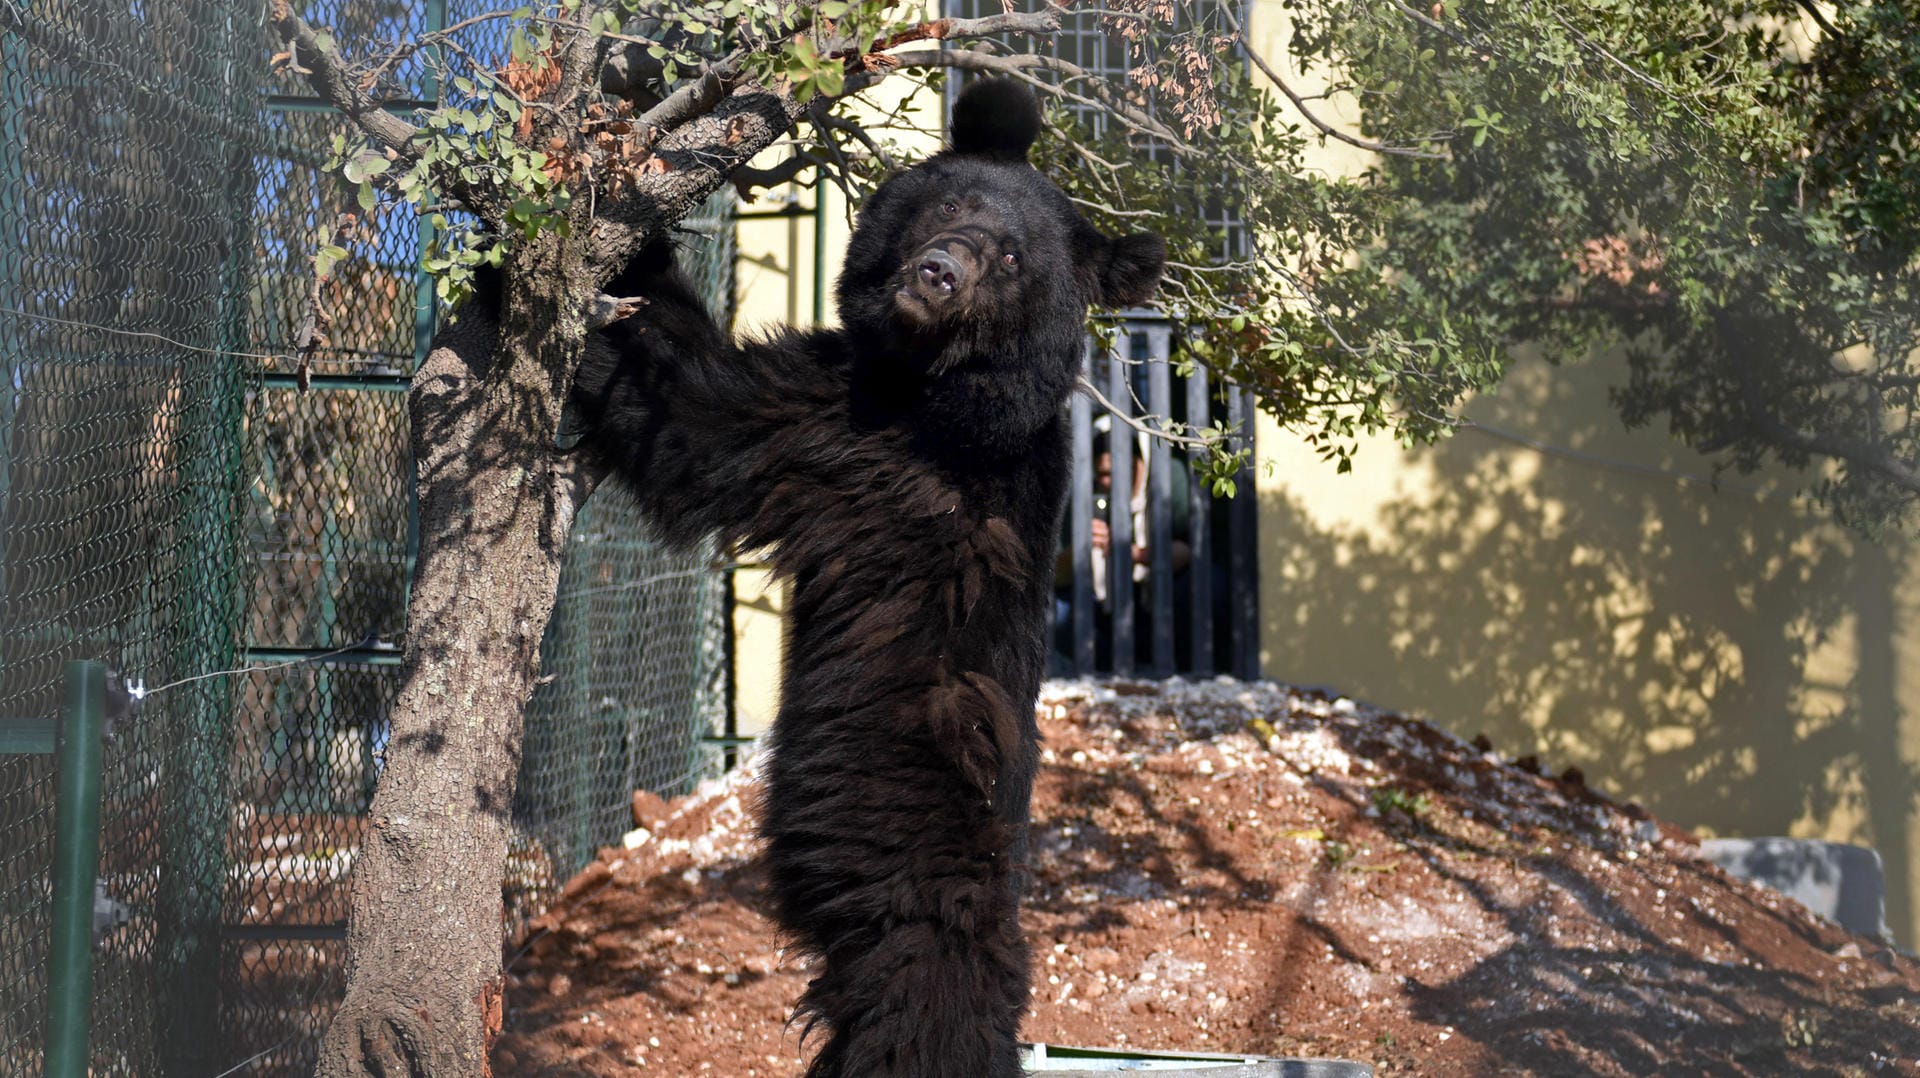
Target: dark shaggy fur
{"type": "Point", "coordinates": [907, 473]}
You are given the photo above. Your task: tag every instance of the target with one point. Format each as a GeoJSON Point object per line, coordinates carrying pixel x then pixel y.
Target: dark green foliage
{"type": "Point", "coordinates": [1728, 189]}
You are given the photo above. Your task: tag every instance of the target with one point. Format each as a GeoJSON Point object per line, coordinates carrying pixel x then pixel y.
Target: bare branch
{"type": "Point", "coordinates": [327, 71]}
{"type": "Point", "coordinates": [746, 177]}
{"type": "Point", "coordinates": [1022, 65]}
{"type": "Point", "coordinates": [1184, 441]}
{"type": "Point", "coordinates": [693, 100]}
{"type": "Point", "coordinates": [1420, 18]}
{"type": "Point", "coordinates": [1013, 22]}
{"type": "Point", "coordinates": [1300, 104]}
{"type": "Point", "coordinates": [1819, 16]}
{"type": "Point", "coordinates": [1631, 71]}
{"type": "Point", "coordinates": [407, 49]}
{"type": "Point", "coordinates": [829, 121]}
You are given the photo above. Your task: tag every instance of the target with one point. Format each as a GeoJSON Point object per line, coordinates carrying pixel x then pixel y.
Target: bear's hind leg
{"type": "Point", "coordinates": [924, 1001]}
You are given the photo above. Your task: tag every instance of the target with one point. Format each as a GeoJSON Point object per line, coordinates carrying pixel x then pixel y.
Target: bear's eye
{"type": "Point", "coordinates": [948, 209]}
{"type": "Point", "coordinates": [1011, 260]}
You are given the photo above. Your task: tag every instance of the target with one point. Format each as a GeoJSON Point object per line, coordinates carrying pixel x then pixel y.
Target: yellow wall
{"type": "Point", "coordinates": [1731, 658]}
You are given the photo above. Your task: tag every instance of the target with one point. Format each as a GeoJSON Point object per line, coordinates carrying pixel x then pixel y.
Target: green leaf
{"type": "Point", "coordinates": [327, 258]}
{"type": "Point", "coordinates": [831, 80]}
{"type": "Point", "coordinates": [365, 165]}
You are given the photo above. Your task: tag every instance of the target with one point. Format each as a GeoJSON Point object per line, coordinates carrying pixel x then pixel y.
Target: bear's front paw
{"type": "Point", "coordinates": [604, 310]}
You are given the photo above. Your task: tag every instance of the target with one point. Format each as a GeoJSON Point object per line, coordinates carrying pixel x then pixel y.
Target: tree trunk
{"type": "Point", "coordinates": [423, 940]}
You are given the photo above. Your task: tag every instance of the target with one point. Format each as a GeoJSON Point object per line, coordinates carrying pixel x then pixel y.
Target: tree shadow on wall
{"type": "Point", "coordinates": [1726, 658]}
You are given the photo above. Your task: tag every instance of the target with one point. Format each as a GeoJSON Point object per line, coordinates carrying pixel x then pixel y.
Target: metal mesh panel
{"type": "Point", "coordinates": [125, 183]}
{"type": "Point", "coordinates": [329, 517]}
{"type": "Point", "coordinates": [302, 773]}
{"type": "Point", "coordinates": [634, 653]}
{"type": "Point", "coordinates": [171, 502]}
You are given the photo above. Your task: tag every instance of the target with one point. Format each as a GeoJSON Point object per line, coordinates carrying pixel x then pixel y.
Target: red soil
{"type": "Point", "coordinates": [1233, 867]}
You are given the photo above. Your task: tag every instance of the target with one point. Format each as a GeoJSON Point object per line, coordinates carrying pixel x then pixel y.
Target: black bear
{"type": "Point", "coordinates": [907, 473]}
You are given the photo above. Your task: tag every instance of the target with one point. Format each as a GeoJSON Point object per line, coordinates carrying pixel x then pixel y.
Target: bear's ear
{"type": "Point", "coordinates": [1127, 270]}
{"type": "Point", "coordinates": [995, 118]}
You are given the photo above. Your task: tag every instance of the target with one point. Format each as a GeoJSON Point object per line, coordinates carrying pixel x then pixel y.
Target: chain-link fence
{"type": "Point", "coordinates": [174, 502]}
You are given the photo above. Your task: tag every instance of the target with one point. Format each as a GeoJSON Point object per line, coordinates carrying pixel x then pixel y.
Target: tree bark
{"type": "Point", "coordinates": [496, 502]}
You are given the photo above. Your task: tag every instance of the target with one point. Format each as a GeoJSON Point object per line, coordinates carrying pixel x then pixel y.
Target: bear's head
{"type": "Point", "coordinates": [974, 258]}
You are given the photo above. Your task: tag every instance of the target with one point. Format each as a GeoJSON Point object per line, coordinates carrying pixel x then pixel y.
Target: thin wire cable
{"type": "Point", "coordinates": [258, 1056]}
{"type": "Point", "coordinates": [258, 667]}
{"type": "Point", "coordinates": [219, 352]}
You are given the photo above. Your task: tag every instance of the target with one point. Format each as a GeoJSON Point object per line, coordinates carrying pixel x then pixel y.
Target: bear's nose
{"type": "Point", "coordinates": [941, 273]}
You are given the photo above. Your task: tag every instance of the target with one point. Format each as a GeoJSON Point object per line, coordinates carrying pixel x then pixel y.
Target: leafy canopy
{"type": "Point", "coordinates": [1728, 189]}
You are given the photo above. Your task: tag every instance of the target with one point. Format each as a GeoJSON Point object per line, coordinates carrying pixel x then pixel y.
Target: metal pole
{"type": "Point", "coordinates": [820, 252]}
{"type": "Point", "coordinates": [76, 860]}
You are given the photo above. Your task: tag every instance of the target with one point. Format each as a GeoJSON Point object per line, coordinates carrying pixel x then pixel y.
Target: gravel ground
{"type": "Point", "coordinates": [1250, 867]}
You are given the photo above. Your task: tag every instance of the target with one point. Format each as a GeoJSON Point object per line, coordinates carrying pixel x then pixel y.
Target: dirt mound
{"type": "Point", "coordinates": [1248, 867]}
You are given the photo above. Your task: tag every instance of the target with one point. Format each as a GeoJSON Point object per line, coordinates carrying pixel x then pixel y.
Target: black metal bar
{"type": "Point", "coordinates": [375, 383]}
{"type": "Point", "coordinates": [1080, 530]}
{"type": "Point", "coordinates": [791, 209]}
{"type": "Point", "coordinates": [1244, 590]}
{"type": "Point", "coordinates": [732, 741]}
{"type": "Point", "coordinates": [1199, 535]}
{"type": "Point", "coordinates": [374, 656]}
{"type": "Point", "coordinates": [1150, 347]}
{"type": "Point", "coordinates": [1120, 515]}
{"type": "Point", "coordinates": [730, 675]}
{"type": "Point", "coordinates": [28, 735]}
{"type": "Point", "coordinates": [302, 103]}
{"type": "Point", "coordinates": [261, 933]}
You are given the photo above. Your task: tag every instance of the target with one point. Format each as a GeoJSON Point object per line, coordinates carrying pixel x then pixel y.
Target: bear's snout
{"type": "Point", "coordinates": [938, 280]}
{"type": "Point", "coordinates": [940, 274]}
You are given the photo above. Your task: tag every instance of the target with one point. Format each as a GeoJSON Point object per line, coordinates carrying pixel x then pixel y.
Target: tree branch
{"type": "Point", "coordinates": [746, 177]}
{"type": "Point", "coordinates": [1022, 65]}
{"type": "Point", "coordinates": [1013, 22]}
{"type": "Point", "coordinates": [327, 72]}
{"type": "Point", "coordinates": [692, 100]}
{"type": "Point", "coordinates": [1416, 16]}
{"type": "Point", "coordinates": [1184, 441]}
{"type": "Point", "coordinates": [828, 121]}
{"type": "Point", "coordinates": [579, 65]}
{"type": "Point", "coordinates": [1813, 9]}
{"type": "Point", "coordinates": [1300, 104]}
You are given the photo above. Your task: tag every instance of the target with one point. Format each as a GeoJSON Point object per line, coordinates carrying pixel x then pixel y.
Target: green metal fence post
{"type": "Point", "coordinates": [76, 861]}
{"type": "Point", "coordinates": [205, 634]}
{"type": "Point", "coordinates": [13, 190]}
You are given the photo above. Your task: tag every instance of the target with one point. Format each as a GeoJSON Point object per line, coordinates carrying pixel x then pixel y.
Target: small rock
{"type": "Point", "coordinates": [649, 810]}
{"type": "Point", "coordinates": [595, 874]}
